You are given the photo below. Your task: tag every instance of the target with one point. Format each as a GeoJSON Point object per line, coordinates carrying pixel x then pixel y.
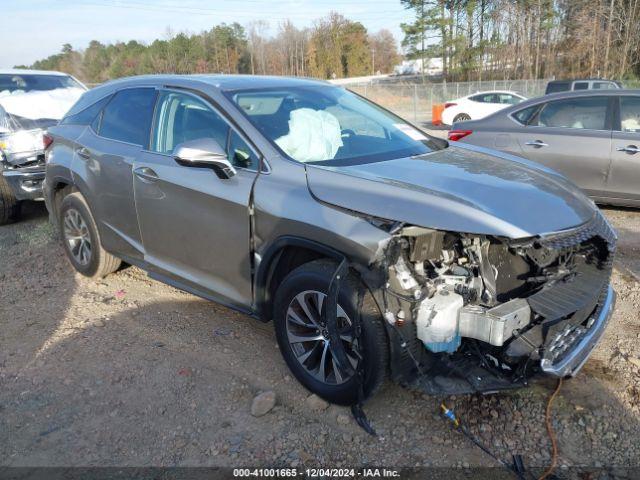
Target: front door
{"type": "Point", "coordinates": [624, 177]}
{"type": "Point", "coordinates": [195, 226]}
{"type": "Point", "coordinates": [572, 136]}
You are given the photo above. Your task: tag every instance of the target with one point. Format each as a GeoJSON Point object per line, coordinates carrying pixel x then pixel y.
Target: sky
{"type": "Point", "coordinates": [34, 29]}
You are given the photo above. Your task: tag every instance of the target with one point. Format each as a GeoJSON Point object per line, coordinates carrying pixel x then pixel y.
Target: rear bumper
{"type": "Point", "coordinates": [573, 361]}
{"type": "Point", "coordinates": [26, 182]}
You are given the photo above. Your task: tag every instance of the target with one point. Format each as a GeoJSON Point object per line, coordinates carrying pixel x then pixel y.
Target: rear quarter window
{"type": "Point", "coordinates": [86, 116]}
{"type": "Point", "coordinates": [524, 116]}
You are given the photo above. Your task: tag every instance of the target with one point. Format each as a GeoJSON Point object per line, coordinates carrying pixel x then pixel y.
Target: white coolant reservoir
{"type": "Point", "coordinates": [437, 322]}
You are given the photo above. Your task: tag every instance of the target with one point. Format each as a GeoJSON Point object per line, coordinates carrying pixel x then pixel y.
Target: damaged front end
{"type": "Point", "coordinates": [22, 155]}
{"type": "Point", "coordinates": [475, 313]}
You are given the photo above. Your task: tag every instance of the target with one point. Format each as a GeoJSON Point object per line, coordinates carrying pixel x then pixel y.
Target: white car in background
{"type": "Point", "coordinates": [478, 105]}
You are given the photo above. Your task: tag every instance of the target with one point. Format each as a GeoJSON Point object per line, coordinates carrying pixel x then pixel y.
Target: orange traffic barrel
{"type": "Point", "coordinates": [436, 113]}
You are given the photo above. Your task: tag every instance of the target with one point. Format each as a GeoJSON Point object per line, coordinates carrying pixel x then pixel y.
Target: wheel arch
{"type": "Point", "coordinates": [281, 257]}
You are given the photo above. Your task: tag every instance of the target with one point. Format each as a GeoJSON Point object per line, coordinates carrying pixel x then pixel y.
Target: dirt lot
{"type": "Point", "coordinates": [128, 371]}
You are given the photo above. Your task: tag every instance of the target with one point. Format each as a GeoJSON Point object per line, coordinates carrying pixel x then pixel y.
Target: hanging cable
{"type": "Point", "coordinates": [552, 435]}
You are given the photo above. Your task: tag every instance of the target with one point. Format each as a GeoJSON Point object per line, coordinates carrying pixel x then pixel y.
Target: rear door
{"type": "Point", "coordinates": [195, 226]}
{"type": "Point", "coordinates": [624, 177]}
{"type": "Point", "coordinates": [572, 136]}
{"type": "Point", "coordinates": [103, 162]}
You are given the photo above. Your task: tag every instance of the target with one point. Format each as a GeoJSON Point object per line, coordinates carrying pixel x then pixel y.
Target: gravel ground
{"type": "Point", "coordinates": [128, 371]}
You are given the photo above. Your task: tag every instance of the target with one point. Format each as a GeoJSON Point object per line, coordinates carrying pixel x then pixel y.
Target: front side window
{"type": "Point", "coordinates": [329, 125]}
{"type": "Point", "coordinates": [508, 99]}
{"type": "Point", "coordinates": [180, 118]}
{"type": "Point", "coordinates": [583, 113]}
{"type": "Point", "coordinates": [240, 155]}
{"type": "Point", "coordinates": [127, 117]}
{"type": "Point", "coordinates": [630, 114]}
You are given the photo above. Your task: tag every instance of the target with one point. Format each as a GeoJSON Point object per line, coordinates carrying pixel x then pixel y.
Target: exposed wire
{"type": "Point", "coordinates": [552, 435]}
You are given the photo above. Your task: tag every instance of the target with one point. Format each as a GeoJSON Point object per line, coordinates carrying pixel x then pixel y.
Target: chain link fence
{"type": "Point", "coordinates": [414, 101]}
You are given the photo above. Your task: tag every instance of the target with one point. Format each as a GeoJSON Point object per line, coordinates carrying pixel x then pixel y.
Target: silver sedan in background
{"type": "Point", "coordinates": [592, 137]}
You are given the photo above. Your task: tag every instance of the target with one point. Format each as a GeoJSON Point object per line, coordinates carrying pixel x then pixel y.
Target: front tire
{"type": "Point", "coordinates": [302, 337]}
{"type": "Point", "coordinates": [81, 239]}
{"type": "Point", "coordinates": [9, 205]}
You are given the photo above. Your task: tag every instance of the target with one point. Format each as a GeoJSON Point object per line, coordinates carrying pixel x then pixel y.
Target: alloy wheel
{"type": "Point", "coordinates": [309, 340]}
{"type": "Point", "coordinates": [76, 234]}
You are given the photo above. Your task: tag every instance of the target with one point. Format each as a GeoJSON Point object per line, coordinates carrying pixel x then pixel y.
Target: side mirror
{"type": "Point", "coordinates": [204, 153]}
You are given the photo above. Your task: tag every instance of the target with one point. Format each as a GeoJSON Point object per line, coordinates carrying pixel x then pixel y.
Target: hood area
{"type": "Point", "coordinates": [40, 104]}
{"type": "Point", "coordinates": [460, 189]}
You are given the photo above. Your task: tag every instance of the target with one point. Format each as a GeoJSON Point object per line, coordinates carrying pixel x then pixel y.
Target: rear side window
{"type": "Point", "coordinates": [630, 114]}
{"type": "Point", "coordinates": [583, 113]}
{"type": "Point", "coordinates": [581, 86]}
{"type": "Point", "coordinates": [127, 117]}
{"type": "Point", "coordinates": [86, 116]}
{"type": "Point", "coordinates": [485, 98]}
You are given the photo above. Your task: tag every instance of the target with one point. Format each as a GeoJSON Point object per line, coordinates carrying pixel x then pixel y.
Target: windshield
{"type": "Point", "coordinates": [19, 83]}
{"type": "Point", "coordinates": [329, 125]}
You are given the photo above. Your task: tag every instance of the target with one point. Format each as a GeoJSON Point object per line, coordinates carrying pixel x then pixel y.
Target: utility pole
{"type": "Point", "coordinates": [422, 38]}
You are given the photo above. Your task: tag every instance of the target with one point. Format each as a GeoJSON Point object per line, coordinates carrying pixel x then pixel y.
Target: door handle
{"type": "Point", "coordinates": [83, 152]}
{"type": "Point", "coordinates": [630, 149]}
{"type": "Point", "coordinates": [537, 144]}
{"type": "Point", "coordinates": [146, 174]}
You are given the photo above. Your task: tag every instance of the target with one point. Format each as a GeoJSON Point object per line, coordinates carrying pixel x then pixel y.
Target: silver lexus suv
{"type": "Point", "coordinates": [375, 249]}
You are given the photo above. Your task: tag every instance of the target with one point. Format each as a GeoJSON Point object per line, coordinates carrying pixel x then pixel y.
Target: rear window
{"type": "Point", "coordinates": [12, 83]}
{"type": "Point", "coordinates": [127, 117]}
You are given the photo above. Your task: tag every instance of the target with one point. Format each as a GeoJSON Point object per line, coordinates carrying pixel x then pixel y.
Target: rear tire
{"type": "Point", "coordinates": [81, 239]}
{"type": "Point", "coordinates": [311, 281]}
{"type": "Point", "coordinates": [9, 205]}
{"type": "Point", "coordinates": [461, 117]}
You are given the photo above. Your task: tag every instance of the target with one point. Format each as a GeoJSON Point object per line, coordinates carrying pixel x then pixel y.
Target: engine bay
{"type": "Point", "coordinates": [479, 301]}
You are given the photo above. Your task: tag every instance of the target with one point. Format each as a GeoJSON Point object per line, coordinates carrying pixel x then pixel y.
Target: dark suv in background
{"type": "Point", "coordinates": [555, 86]}
{"type": "Point", "coordinates": [373, 247]}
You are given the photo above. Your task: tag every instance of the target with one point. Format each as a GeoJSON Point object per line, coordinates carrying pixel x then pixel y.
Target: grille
{"type": "Point", "coordinates": [563, 339]}
{"type": "Point", "coordinates": [598, 226]}
{"type": "Point", "coordinates": [563, 298]}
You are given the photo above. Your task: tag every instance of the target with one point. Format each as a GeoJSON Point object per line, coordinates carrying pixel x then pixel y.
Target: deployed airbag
{"type": "Point", "coordinates": [314, 135]}
{"type": "Point", "coordinates": [38, 104]}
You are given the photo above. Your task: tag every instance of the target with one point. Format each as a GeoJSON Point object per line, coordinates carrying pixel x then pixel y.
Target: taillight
{"type": "Point", "coordinates": [449, 104]}
{"type": "Point", "coordinates": [47, 140]}
{"type": "Point", "coordinates": [455, 135]}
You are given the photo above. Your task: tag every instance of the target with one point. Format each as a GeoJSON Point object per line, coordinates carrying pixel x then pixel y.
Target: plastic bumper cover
{"type": "Point", "coordinates": [573, 361]}
{"type": "Point", "coordinates": [26, 182]}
